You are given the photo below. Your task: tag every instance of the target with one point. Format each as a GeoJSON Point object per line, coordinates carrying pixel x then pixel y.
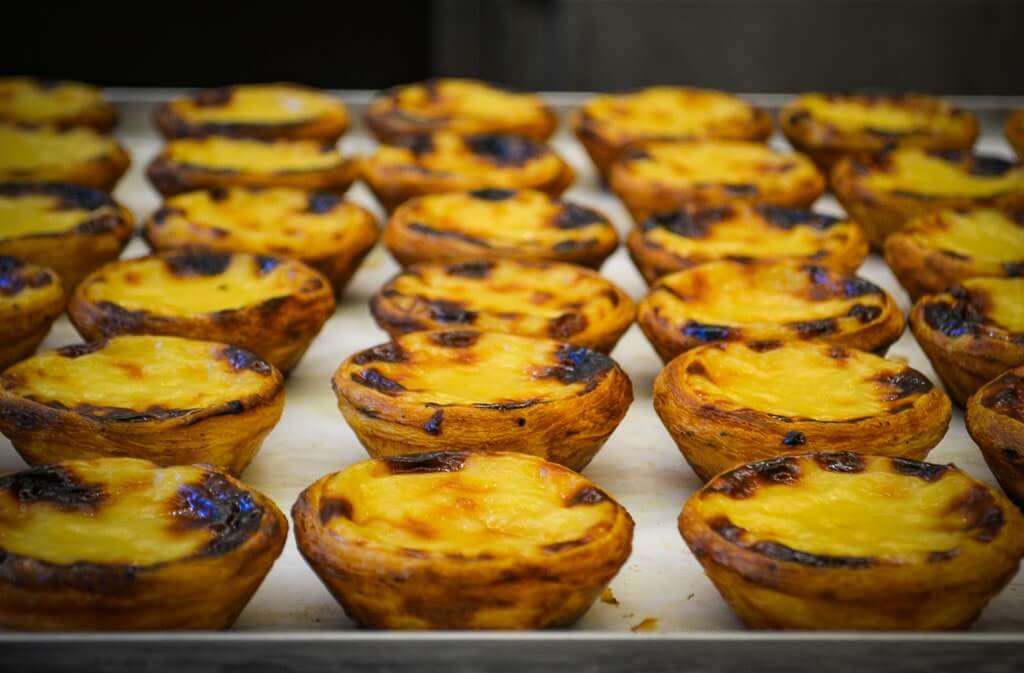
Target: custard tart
{"type": "Point", "coordinates": [937, 250]}
{"type": "Point", "coordinates": [497, 223]}
{"type": "Point", "coordinates": [121, 544]}
{"type": "Point", "coordinates": [1015, 131]}
{"type": "Point", "coordinates": [607, 124]}
{"type": "Point", "coordinates": [79, 156]}
{"type": "Point", "coordinates": [459, 105]}
{"type": "Point", "coordinates": [465, 390]}
{"type": "Point", "coordinates": [321, 229]}
{"type": "Point", "coordinates": [995, 420]}
{"type": "Point", "coordinates": [59, 103]}
{"type": "Point", "coordinates": [448, 162]}
{"type": "Point", "coordinates": [828, 127]}
{"type": "Point", "coordinates": [72, 230]}
{"type": "Point", "coordinates": [884, 192]}
{"type": "Point", "coordinates": [217, 161]}
{"type": "Point", "coordinates": [972, 334]}
{"type": "Point", "coordinates": [658, 177]}
{"type": "Point", "coordinates": [271, 306]}
{"type": "Point", "coordinates": [727, 404]}
{"type": "Point", "coordinates": [31, 298]}
{"type": "Point", "coordinates": [455, 540]}
{"type": "Point", "coordinates": [538, 299]}
{"type": "Point", "coordinates": [170, 400]}
{"type": "Point", "coordinates": [694, 234]}
{"type": "Point", "coordinates": [267, 111]}
{"type": "Point", "coordinates": [767, 301]}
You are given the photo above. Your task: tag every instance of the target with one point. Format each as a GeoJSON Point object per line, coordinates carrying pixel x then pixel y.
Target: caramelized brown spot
{"type": "Point", "coordinates": [811, 329]}
{"type": "Point", "coordinates": [216, 504]}
{"type": "Point", "coordinates": [334, 506]}
{"type": "Point", "coordinates": [697, 369]}
{"type": "Point", "coordinates": [439, 461]}
{"type": "Point", "coordinates": [389, 352]}
{"type": "Point", "coordinates": [742, 482]}
{"type": "Point", "coordinates": [371, 378]}
{"type": "Point", "coordinates": [586, 495]}
{"type": "Point", "coordinates": [794, 438]}
{"type": "Point", "coordinates": [764, 346]}
{"type": "Point", "coordinates": [929, 472]}
{"type": "Point", "coordinates": [241, 359]}
{"type": "Point", "coordinates": [906, 383]}
{"type": "Point", "coordinates": [78, 350]}
{"type": "Point", "coordinates": [983, 516]}
{"type": "Point", "coordinates": [433, 426]}
{"type": "Point", "coordinates": [780, 552]}
{"type": "Point", "coordinates": [191, 264]}
{"type": "Point", "coordinates": [940, 556]}
{"type": "Point", "coordinates": [448, 311]}
{"type": "Point", "coordinates": [556, 547]}
{"type": "Point", "coordinates": [566, 325]}
{"type": "Point", "coordinates": [1008, 397]}
{"type": "Point", "coordinates": [53, 484]}
{"type": "Point", "coordinates": [455, 339]}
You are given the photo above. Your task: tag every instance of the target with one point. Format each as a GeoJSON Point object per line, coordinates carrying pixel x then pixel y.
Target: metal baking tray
{"type": "Point", "coordinates": [665, 615]}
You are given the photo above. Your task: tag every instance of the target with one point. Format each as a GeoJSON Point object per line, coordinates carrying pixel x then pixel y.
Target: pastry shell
{"type": "Point", "coordinates": [1015, 131]}
{"type": "Point", "coordinates": [995, 421]}
{"type": "Point", "coordinates": [58, 103]}
{"type": "Point", "coordinates": [31, 298]}
{"type": "Point", "coordinates": [78, 156]}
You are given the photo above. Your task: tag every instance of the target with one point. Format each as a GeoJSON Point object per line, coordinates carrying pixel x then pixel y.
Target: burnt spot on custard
{"type": "Point", "coordinates": [864, 314]}
{"type": "Point", "coordinates": [573, 245]}
{"type": "Point", "coordinates": [153, 412]}
{"type": "Point", "coordinates": [1014, 269]}
{"type": "Point", "coordinates": [54, 485]}
{"type": "Point", "coordinates": [1008, 397]}
{"type": "Point", "coordinates": [904, 383]}
{"type": "Point", "coordinates": [15, 277]}
{"type": "Point", "coordinates": [78, 350]}
{"type": "Point", "coordinates": [474, 269]}
{"type": "Point", "coordinates": [389, 352]}
{"type": "Point", "coordinates": [794, 438]}
{"type": "Point", "coordinates": [707, 333]}
{"type": "Point", "coordinates": [573, 216]}
{"type": "Point", "coordinates": [689, 223]}
{"type": "Point", "coordinates": [556, 547]}
{"type": "Point", "coordinates": [508, 406]}
{"type": "Point", "coordinates": [195, 264]}
{"type": "Point", "coordinates": [419, 463]}
{"type": "Point", "coordinates": [319, 203]}
{"type": "Point", "coordinates": [428, 230]}
{"type": "Point", "coordinates": [493, 194]}
{"type": "Point", "coordinates": [780, 552]}
{"type": "Point", "coordinates": [577, 364]}
{"type": "Point", "coordinates": [456, 339]}
{"type": "Point", "coordinates": [418, 144]}
{"type": "Point", "coordinates": [450, 311]}
{"type": "Point", "coordinates": [740, 189]}
{"type": "Point", "coordinates": [743, 482]}
{"type": "Point", "coordinates": [764, 346]}
{"type": "Point", "coordinates": [71, 197]}
{"type": "Point", "coordinates": [372, 378]}
{"type": "Point", "coordinates": [217, 97]}
{"type": "Point", "coordinates": [843, 462]}
{"type": "Point", "coordinates": [954, 319]}
{"type": "Point", "coordinates": [216, 504]}
{"type": "Point", "coordinates": [811, 329]}
{"type": "Point", "coordinates": [930, 472]}
{"type": "Point", "coordinates": [941, 556]}
{"type": "Point", "coordinates": [241, 359]}
{"type": "Point", "coordinates": [788, 218]}
{"type": "Point", "coordinates": [979, 510]}
{"type": "Point", "coordinates": [586, 495]}
{"type": "Point", "coordinates": [988, 166]}
{"type": "Point", "coordinates": [566, 325]}
{"type": "Point", "coordinates": [334, 506]}
{"type": "Point", "coordinates": [433, 425]}
{"type": "Point", "coordinates": [504, 150]}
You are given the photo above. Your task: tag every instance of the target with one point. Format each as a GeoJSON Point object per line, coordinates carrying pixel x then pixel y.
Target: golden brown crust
{"type": "Point", "coordinates": [382, 586]}
{"type": "Point", "coordinates": [966, 348]}
{"type": "Point", "coordinates": [389, 122]}
{"type": "Point", "coordinates": [882, 212]}
{"type": "Point", "coordinates": [774, 586]}
{"type": "Point", "coordinates": [872, 327]}
{"type": "Point", "coordinates": [448, 162]}
{"type": "Point", "coordinates": [596, 321]}
{"type": "Point", "coordinates": [226, 435]}
{"type": "Point", "coordinates": [204, 591]}
{"type": "Point", "coordinates": [279, 329]}
{"type": "Point", "coordinates": [714, 438]}
{"type": "Point", "coordinates": [484, 224]}
{"type": "Point", "coordinates": [77, 252]}
{"type": "Point", "coordinates": [995, 421]}
{"type": "Point", "coordinates": [25, 323]}
{"type": "Point", "coordinates": [826, 143]}
{"type": "Point", "coordinates": [1015, 132]}
{"type": "Point", "coordinates": [100, 116]}
{"type": "Point", "coordinates": [327, 126]}
{"type": "Point", "coordinates": [99, 172]}
{"type": "Point", "coordinates": [841, 244]}
{"type": "Point", "coordinates": [568, 431]}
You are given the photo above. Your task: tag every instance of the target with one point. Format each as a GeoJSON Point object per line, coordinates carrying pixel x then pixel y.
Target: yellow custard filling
{"type": "Point", "coordinates": [667, 111]}
{"type": "Point", "coordinates": [29, 214]}
{"type": "Point", "coordinates": [23, 100]}
{"type": "Point", "coordinates": [136, 372]}
{"type": "Point", "coordinates": [720, 162]}
{"type": "Point", "coordinates": [851, 114]}
{"type": "Point", "coordinates": [496, 504]}
{"type": "Point", "coordinates": [877, 513]}
{"type": "Point", "coordinates": [988, 237]}
{"type": "Point", "coordinates": [451, 157]}
{"type": "Point", "coordinates": [795, 380]}
{"type": "Point", "coordinates": [921, 173]}
{"type": "Point", "coordinates": [468, 105]}
{"type": "Point", "coordinates": [252, 155]}
{"type": "Point", "coordinates": [1004, 300]}
{"type": "Point", "coordinates": [256, 103]}
{"type": "Point", "coordinates": [24, 149]}
{"type": "Point", "coordinates": [133, 524]}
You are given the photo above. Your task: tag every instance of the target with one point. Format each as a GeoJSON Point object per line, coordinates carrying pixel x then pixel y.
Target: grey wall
{"type": "Point", "coordinates": [941, 46]}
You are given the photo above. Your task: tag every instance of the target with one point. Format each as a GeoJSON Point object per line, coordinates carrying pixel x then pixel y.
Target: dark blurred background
{"type": "Point", "coordinates": [941, 46]}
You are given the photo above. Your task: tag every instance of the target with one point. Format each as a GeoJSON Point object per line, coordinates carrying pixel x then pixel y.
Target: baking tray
{"type": "Point", "coordinates": [665, 614]}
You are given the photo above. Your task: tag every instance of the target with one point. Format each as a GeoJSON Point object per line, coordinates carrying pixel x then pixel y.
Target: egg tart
{"type": "Point", "coordinates": [121, 544]}
{"type": "Point", "coordinates": [31, 298]}
{"type": "Point", "coordinates": [72, 230]}
{"type": "Point", "coordinates": [609, 123]}
{"type": "Point", "coordinates": [329, 234]}
{"type": "Point", "coordinates": [844, 541]}
{"type": "Point", "coordinates": [828, 127]}
{"type": "Point", "coordinates": [267, 111]}
{"type": "Point", "coordinates": [498, 223]}
{"type": "Point", "coordinates": [59, 103]}
{"type": "Point", "coordinates": [727, 404]}
{"type": "Point", "coordinates": [538, 299]}
{"type": "Point", "coordinates": [170, 400]}
{"type": "Point", "coordinates": [217, 161]}
{"type": "Point", "coordinates": [448, 162]}
{"type": "Point", "coordinates": [972, 334]}
{"type": "Point", "coordinates": [694, 234]}
{"type": "Point", "coordinates": [459, 105]}
{"type": "Point", "coordinates": [995, 420]}
{"type": "Point", "coordinates": [660, 176]}
{"type": "Point", "coordinates": [767, 301]}
{"type": "Point", "coordinates": [454, 540]}
{"type": "Point", "coordinates": [465, 390]}
{"type": "Point", "coordinates": [937, 250]}
{"type": "Point", "coordinates": [1015, 131]}
{"type": "Point", "coordinates": [79, 156]}
{"type": "Point", "coordinates": [884, 192]}
{"type": "Point", "coordinates": [271, 306]}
